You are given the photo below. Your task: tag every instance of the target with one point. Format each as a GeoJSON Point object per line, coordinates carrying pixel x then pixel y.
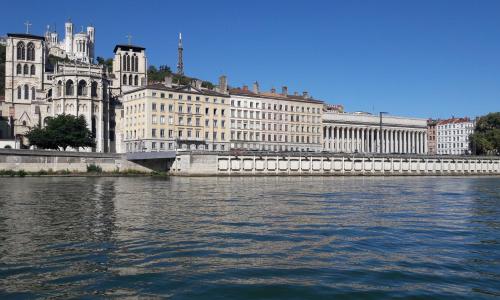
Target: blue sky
{"type": "Point", "coordinates": [425, 58]}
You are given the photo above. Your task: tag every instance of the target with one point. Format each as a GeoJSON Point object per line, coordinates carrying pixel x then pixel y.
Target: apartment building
{"type": "Point", "coordinates": [453, 135]}
{"type": "Point", "coordinates": [165, 116]}
{"type": "Point", "coordinates": [274, 121]}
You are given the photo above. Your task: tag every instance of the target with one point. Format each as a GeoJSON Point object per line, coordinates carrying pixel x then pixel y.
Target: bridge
{"type": "Point", "coordinates": [150, 155]}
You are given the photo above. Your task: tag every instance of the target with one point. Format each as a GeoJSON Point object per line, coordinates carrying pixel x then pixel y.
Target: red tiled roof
{"type": "Point", "coordinates": [453, 121]}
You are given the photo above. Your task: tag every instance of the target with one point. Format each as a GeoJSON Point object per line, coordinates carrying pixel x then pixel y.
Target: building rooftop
{"type": "Point", "coordinates": [129, 47]}
{"type": "Point", "coordinates": [179, 89]}
{"type": "Point", "coordinates": [273, 95]}
{"type": "Point", "coordinates": [26, 36]}
{"type": "Point", "coordinates": [454, 121]}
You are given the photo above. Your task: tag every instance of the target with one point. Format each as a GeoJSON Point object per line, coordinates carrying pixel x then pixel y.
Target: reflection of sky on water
{"type": "Point", "coordinates": [160, 237]}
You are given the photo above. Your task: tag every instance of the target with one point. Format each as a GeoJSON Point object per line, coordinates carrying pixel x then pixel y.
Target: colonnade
{"type": "Point", "coordinates": [350, 139]}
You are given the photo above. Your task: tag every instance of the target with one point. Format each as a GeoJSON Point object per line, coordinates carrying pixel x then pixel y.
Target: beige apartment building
{"type": "Point", "coordinates": [163, 117]}
{"type": "Point", "coordinates": [275, 121]}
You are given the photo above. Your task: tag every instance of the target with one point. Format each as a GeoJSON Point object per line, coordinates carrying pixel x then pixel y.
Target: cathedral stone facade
{"type": "Point", "coordinates": [36, 89]}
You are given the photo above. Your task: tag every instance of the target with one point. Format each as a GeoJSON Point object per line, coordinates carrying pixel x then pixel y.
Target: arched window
{"type": "Point", "coordinates": [19, 96]}
{"type": "Point", "coordinates": [136, 80]}
{"type": "Point", "coordinates": [124, 79]}
{"type": "Point", "coordinates": [26, 92]}
{"type": "Point", "coordinates": [33, 93]}
{"type": "Point", "coordinates": [59, 88]}
{"type": "Point", "coordinates": [82, 88]}
{"type": "Point", "coordinates": [32, 70]}
{"type": "Point", "coordinates": [20, 51]}
{"type": "Point", "coordinates": [19, 69]}
{"type": "Point", "coordinates": [133, 63]}
{"type": "Point", "coordinates": [137, 64]}
{"type": "Point", "coordinates": [124, 63]}
{"type": "Point", "coordinates": [69, 88]}
{"type": "Point", "coordinates": [25, 70]}
{"type": "Point", "coordinates": [128, 62]}
{"type": "Point", "coordinates": [94, 89]}
{"type": "Point", "coordinates": [130, 79]}
{"type": "Point", "coordinates": [30, 55]}
{"type": "Point", "coordinates": [49, 93]}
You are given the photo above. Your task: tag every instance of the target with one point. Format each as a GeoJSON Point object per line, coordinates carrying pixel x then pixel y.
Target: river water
{"type": "Point", "coordinates": [250, 237]}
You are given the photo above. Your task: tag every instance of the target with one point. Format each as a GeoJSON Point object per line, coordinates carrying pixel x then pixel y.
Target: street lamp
{"type": "Point", "coordinates": [380, 132]}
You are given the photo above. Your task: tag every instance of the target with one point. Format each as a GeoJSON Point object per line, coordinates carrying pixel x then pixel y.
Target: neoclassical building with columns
{"type": "Point", "coordinates": [366, 133]}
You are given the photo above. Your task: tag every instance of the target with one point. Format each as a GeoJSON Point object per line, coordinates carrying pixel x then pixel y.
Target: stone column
{"type": "Point", "coordinates": [412, 141]}
{"type": "Point", "coordinates": [391, 141]}
{"type": "Point", "coordinates": [341, 139]}
{"type": "Point", "coordinates": [404, 142]}
{"type": "Point", "coordinates": [336, 140]}
{"type": "Point", "coordinates": [426, 151]}
{"type": "Point", "coordinates": [417, 134]}
{"type": "Point", "coordinates": [363, 140]}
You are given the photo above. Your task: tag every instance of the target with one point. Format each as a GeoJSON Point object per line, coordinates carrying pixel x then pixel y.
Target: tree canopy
{"type": "Point", "coordinates": [158, 74]}
{"type": "Point", "coordinates": [486, 136]}
{"type": "Point", "coordinates": [62, 131]}
{"type": "Point", "coordinates": [106, 62]}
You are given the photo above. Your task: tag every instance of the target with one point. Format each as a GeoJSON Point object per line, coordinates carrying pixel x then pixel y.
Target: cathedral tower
{"type": "Point", "coordinates": [68, 38]}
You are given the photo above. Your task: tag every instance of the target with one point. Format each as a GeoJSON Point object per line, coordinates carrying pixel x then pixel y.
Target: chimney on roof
{"type": "Point", "coordinates": [245, 87]}
{"type": "Point", "coordinates": [167, 81]}
{"type": "Point", "coordinates": [196, 83]}
{"type": "Point", "coordinates": [223, 84]}
{"type": "Point", "coordinates": [256, 87]}
{"type": "Point", "coordinates": [305, 94]}
{"type": "Point", "coordinates": [284, 90]}
{"type": "Point", "coordinates": [273, 91]}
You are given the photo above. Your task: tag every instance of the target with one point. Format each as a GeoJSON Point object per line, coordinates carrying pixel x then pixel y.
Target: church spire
{"type": "Point", "coordinates": [180, 64]}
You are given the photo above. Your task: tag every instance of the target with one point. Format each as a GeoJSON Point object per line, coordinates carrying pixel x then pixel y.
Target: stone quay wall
{"type": "Point", "coordinates": [37, 160]}
{"type": "Point", "coordinates": [254, 164]}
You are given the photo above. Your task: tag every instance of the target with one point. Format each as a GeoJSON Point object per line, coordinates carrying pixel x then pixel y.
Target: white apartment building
{"type": "Point", "coordinates": [273, 121]}
{"type": "Point", "coordinates": [453, 135]}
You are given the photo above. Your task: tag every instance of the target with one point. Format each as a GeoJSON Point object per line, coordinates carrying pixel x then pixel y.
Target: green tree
{"type": "Point", "coordinates": [105, 62]}
{"type": "Point", "coordinates": [62, 131]}
{"type": "Point", "coordinates": [486, 136]}
{"type": "Point", "coordinates": [158, 74]}
{"type": "Point", "coordinates": [2, 70]}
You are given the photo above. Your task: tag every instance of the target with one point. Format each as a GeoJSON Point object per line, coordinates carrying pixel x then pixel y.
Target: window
{"type": "Point", "coordinates": [30, 55]}
{"type": "Point", "coordinates": [82, 88]}
{"type": "Point", "coordinates": [136, 80]}
{"type": "Point", "coordinates": [33, 93]}
{"type": "Point", "coordinates": [124, 79]}
{"type": "Point", "coordinates": [153, 132]}
{"type": "Point", "coordinates": [25, 70]}
{"type": "Point", "coordinates": [19, 96]}
{"type": "Point", "coordinates": [130, 79]}
{"type": "Point", "coordinates": [21, 54]}
{"type": "Point", "coordinates": [69, 88]}
{"type": "Point", "coordinates": [162, 133]}
{"type": "Point", "coordinates": [19, 69]}
{"type": "Point", "coordinates": [162, 107]}
{"type": "Point", "coordinates": [26, 92]}
{"type": "Point", "coordinates": [153, 106]}
{"type": "Point", "coordinates": [32, 70]}
{"type": "Point", "coordinates": [94, 89]}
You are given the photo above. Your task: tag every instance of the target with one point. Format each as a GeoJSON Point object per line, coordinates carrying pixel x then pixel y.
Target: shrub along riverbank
{"type": "Point", "coordinates": [92, 170]}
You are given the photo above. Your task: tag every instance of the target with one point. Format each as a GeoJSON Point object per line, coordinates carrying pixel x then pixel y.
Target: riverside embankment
{"type": "Point", "coordinates": [193, 163]}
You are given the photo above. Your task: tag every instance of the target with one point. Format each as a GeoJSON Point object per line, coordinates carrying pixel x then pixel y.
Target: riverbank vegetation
{"type": "Point", "coordinates": [92, 170]}
{"type": "Point", "coordinates": [486, 136]}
